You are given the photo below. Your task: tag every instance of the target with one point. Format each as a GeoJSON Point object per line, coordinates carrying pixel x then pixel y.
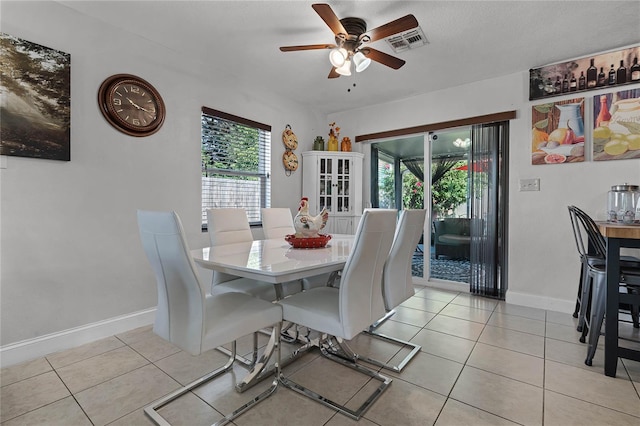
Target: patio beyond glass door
{"type": "Point", "coordinates": [450, 254]}
{"type": "Point", "coordinates": [397, 184]}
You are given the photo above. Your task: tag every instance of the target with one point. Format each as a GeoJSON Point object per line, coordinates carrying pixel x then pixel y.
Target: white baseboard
{"type": "Point", "coordinates": [442, 285]}
{"type": "Point", "coordinates": [540, 302]}
{"type": "Point", "coordinates": [19, 352]}
{"type": "Point", "coordinates": [512, 297]}
{"type": "Point", "coordinates": [449, 285]}
{"type": "Point", "coordinates": [26, 350]}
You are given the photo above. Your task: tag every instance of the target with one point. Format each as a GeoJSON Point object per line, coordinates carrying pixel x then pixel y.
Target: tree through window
{"type": "Point", "coordinates": [235, 164]}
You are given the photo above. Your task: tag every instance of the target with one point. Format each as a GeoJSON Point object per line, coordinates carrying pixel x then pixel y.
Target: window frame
{"type": "Point", "coordinates": [264, 158]}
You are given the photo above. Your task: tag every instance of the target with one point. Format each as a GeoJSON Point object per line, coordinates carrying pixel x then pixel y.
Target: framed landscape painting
{"type": "Point", "coordinates": [35, 100]}
{"type": "Point", "coordinates": [616, 125]}
{"type": "Point", "coordinates": [557, 134]}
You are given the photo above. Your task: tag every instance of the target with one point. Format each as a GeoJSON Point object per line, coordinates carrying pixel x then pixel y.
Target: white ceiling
{"type": "Point", "coordinates": [469, 41]}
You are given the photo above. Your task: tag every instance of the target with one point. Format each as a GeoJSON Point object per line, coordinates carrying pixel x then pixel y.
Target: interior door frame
{"type": "Point", "coordinates": [434, 127]}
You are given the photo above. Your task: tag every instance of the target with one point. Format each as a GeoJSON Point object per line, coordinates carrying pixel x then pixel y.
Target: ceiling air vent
{"type": "Point", "coordinates": [407, 40]}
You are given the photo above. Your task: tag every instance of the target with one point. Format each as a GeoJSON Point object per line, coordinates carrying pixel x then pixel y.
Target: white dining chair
{"type": "Point", "coordinates": [397, 281]}
{"type": "Point", "coordinates": [193, 320]}
{"type": "Point", "coordinates": [277, 222]}
{"type": "Point", "coordinates": [342, 313]}
{"type": "Point", "coordinates": [230, 225]}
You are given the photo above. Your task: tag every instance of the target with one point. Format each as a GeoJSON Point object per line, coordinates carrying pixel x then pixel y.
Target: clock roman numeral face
{"type": "Point", "coordinates": [134, 105]}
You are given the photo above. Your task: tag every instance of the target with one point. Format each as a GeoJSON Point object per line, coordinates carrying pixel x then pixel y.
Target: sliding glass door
{"type": "Point", "coordinates": [465, 242]}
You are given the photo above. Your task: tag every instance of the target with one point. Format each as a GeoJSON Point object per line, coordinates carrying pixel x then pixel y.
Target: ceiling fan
{"type": "Point", "coordinates": [351, 35]}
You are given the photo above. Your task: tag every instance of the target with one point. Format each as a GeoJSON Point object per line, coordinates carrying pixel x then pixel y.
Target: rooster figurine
{"type": "Point", "coordinates": [309, 226]}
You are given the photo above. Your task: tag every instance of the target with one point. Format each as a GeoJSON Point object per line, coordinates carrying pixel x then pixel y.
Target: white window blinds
{"type": "Point", "coordinates": [236, 159]}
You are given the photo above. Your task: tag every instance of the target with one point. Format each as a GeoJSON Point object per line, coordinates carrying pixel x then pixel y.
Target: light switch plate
{"type": "Point", "coordinates": [530, 184]}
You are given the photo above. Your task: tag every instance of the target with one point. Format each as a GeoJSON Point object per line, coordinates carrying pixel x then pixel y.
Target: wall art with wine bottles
{"type": "Point", "coordinates": [601, 71]}
{"type": "Point", "coordinates": [558, 135]}
{"type": "Point", "coordinates": [616, 125]}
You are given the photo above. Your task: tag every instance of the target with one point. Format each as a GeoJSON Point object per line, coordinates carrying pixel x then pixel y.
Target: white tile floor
{"type": "Point", "coordinates": [482, 362]}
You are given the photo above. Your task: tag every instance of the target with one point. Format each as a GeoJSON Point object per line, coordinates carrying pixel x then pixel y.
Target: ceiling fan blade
{"type": "Point", "coordinates": [400, 25]}
{"type": "Point", "coordinates": [383, 58]}
{"type": "Point", "coordinates": [307, 47]}
{"type": "Point", "coordinates": [330, 18]}
{"type": "Point", "coordinates": [333, 73]}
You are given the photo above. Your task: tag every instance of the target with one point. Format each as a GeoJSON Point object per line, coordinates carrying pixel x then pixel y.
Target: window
{"type": "Point", "coordinates": [236, 159]}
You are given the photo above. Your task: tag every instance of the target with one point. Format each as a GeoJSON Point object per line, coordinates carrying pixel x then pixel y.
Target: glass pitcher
{"type": "Point", "coordinates": [623, 205]}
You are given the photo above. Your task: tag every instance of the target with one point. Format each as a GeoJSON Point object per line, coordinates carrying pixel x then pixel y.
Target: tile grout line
{"type": "Point", "coordinates": [464, 364]}
{"type": "Point", "coordinates": [448, 396]}
{"type": "Point", "coordinates": [544, 366]}
{"type": "Point", "coordinates": [68, 390]}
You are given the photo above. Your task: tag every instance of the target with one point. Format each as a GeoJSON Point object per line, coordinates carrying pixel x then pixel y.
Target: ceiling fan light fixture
{"type": "Point", "coordinates": [361, 62]}
{"type": "Point", "coordinates": [344, 69]}
{"type": "Point", "coordinates": [338, 56]}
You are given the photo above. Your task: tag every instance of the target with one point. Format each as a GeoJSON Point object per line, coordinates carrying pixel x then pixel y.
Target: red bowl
{"type": "Point", "coordinates": [316, 242]}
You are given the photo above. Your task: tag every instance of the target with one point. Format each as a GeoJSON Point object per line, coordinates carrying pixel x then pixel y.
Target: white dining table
{"type": "Point", "coordinates": [276, 262]}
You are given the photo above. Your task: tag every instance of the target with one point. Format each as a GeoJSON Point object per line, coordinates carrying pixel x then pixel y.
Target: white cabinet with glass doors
{"type": "Point", "coordinates": [333, 179]}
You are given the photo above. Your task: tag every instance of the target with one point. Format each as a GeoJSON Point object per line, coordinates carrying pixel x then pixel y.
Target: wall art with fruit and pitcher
{"type": "Point", "coordinates": [557, 135]}
{"type": "Point", "coordinates": [616, 125]}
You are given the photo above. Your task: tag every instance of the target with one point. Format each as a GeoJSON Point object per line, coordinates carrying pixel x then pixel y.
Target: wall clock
{"type": "Point", "coordinates": [289, 158]}
{"type": "Point", "coordinates": [131, 105]}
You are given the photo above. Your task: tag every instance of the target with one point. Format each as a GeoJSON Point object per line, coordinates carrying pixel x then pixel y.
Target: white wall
{"type": "Point", "coordinates": [71, 255]}
{"type": "Point", "coordinates": [543, 262]}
